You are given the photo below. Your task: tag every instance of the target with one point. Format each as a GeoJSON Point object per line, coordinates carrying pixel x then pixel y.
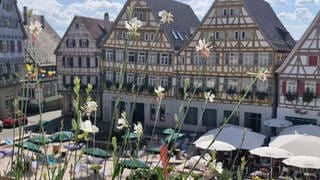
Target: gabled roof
{"type": "Point", "coordinates": [184, 19]}
{"type": "Point", "coordinates": [300, 42]}
{"type": "Point", "coordinates": [46, 43]}
{"type": "Point", "coordinates": [97, 28]}
{"type": "Point", "coordinates": [269, 24]}
{"type": "Point", "coordinates": [183, 16]}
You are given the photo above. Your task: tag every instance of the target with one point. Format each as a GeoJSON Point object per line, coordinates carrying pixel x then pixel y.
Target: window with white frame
{"type": "Point", "coordinates": [140, 15]}
{"type": "Point", "coordinates": [92, 63]}
{"type": "Point", "coordinates": [217, 35]}
{"type": "Point", "coordinates": [83, 62]}
{"type": "Point", "coordinates": [69, 61]}
{"type": "Point", "coordinates": [211, 82]}
{"type": "Point", "coordinates": [109, 76]}
{"type": "Point", "coordinates": [197, 59]}
{"type": "Point", "coordinates": [109, 54]}
{"type": "Point", "coordinates": [68, 79]}
{"type": "Point", "coordinates": [234, 58]}
{"type": "Point", "coordinates": [130, 78]}
{"type": "Point", "coordinates": [152, 58]}
{"type": "Point", "coordinates": [233, 84]}
{"type": "Point", "coordinates": [243, 35]}
{"type": "Point", "coordinates": [141, 57]}
{"type": "Point", "coordinates": [118, 74]}
{"type": "Point", "coordinates": [132, 56]}
{"type": "Point", "coordinates": [183, 81]}
{"type": "Point", "coordinates": [152, 36]}
{"type": "Point", "coordinates": [310, 87]}
{"type": "Point", "coordinates": [292, 86]}
{"type": "Point", "coordinates": [146, 36]}
{"type": "Point", "coordinates": [197, 81]}
{"type": "Point", "coordinates": [248, 59]}
{"type": "Point", "coordinates": [76, 62]}
{"type": "Point", "coordinates": [263, 59]}
{"type": "Point", "coordinates": [164, 59]}
{"type": "Point", "coordinates": [214, 59]}
{"type": "Point", "coordinates": [152, 80]}
{"type": "Point", "coordinates": [84, 80]}
{"type": "Point", "coordinates": [225, 11]}
{"type": "Point", "coordinates": [231, 12]}
{"type": "Point", "coordinates": [12, 68]}
{"type": "Point", "coordinates": [181, 59]}
{"type": "Point", "coordinates": [119, 55]}
{"type": "Point", "coordinates": [164, 81]}
{"type": "Point", "coordinates": [140, 79]}
{"type": "Point", "coordinates": [93, 80]}
{"type": "Point", "coordinates": [123, 35]}
{"type": "Point", "coordinates": [262, 86]}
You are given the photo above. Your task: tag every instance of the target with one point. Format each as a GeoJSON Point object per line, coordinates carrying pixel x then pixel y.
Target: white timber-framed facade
{"type": "Point", "coordinates": [77, 55]}
{"type": "Point", "coordinates": [150, 63]}
{"type": "Point", "coordinates": [299, 79]}
{"type": "Point", "coordinates": [242, 41]}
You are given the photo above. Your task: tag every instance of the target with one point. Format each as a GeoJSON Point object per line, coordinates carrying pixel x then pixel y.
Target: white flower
{"type": "Point", "coordinates": [261, 74]}
{"type": "Point", "coordinates": [209, 96]}
{"type": "Point", "coordinates": [166, 17]}
{"type": "Point", "coordinates": [122, 122]}
{"type": "Point", "coordinates": [133, 24]}
{"type": "Point", "coordinates": [35, 28]}
{"type": "Point", "coordinates": [159, 90]}
{"type": "Point", "coordinates": [138, 129]}
{"type": "Point", "coordinates": [87, 126]}
{"type": "Point", "coordinates": [203, 47]}
{"type": "Point", "coordinates": [89, 107]}
{"type": "Point", "coordinates": [219, 168]}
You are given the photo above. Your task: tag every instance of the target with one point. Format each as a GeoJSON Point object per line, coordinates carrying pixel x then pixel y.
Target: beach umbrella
{"type": "Point", "coordinates": [30, 146]}
{"type": "Point", "coordinates": [173, 137]}
{"type": "Point", "coordinates": [130, 136]}
{"type": "Point", "coordinates": [168, 131]}
{"type": "Point", "coordinates": [277, 123]}
{"type": "Point", "coordinates": [232, 134]}
{"type": "Point", "coordinates": [40, 139]}
{"type": "Point", "coordinates": [134, 164]}
{"type": "Point", "coordinates": [298, 144]}
{"type": "Point", "coordinates": [271, 152]}
{"type": "Point", "coordinates": [154, 150]}
{"type": "Point", "coordinates": [97, 152]}
{"type": "Point", "coordinates": [217, 146]}
{"type": "Point", "coordinates": [308, 162]}
{"type": "Point", "coordinates": [308, 129]}
{"type": "Point", "coordinates": [62, 136]}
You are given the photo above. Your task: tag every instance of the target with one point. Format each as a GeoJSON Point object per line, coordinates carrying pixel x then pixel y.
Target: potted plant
{"type": "Point", "coordinates": [231, 92]}
{"type": "Point", "coordinates": [290, 96]}
{"type": "Point", "coordinates": [242, 93]}
{"type": "Point", "coordinates": [108, 84]}
{"type": "Point", "coordinates": [308, 97]}
{"type": "Point", "coordinates": [261, 95]}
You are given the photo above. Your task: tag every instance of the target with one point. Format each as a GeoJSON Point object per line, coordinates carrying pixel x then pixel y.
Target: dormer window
{"type": "Point", "coordinates": [84, 43]}
{"type": "Point", "coordinates": [175, 35]}
{"type": "Point", "coordinates": [140, 15]}
{"type": "Point", "coordinates": [71, 43]}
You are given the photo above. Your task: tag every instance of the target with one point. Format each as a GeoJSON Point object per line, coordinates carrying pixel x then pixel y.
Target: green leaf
{"type": "Point", "coordinates": [75, 125]}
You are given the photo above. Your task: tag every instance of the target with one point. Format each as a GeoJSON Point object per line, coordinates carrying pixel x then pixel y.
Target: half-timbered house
{"type": "Point", "coordinates": [299, 79]}
{"type": "Point", "coordinates": [150, 59]}
{"type": "Point", "coordinates": [245, 35]}
{"type": "Point", "coordinates": [77, 55]}
{"type": "Point", "coordinates": [42, 52]}
{"type": "Point", "coordinates": [12, 36]}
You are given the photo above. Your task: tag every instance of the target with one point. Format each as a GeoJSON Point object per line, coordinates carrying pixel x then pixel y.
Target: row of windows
{"type": "Point", "coordinates": [139, 79]}
{"type": "Point", "coordinates": [144, 35]}
{"type": "Point", "coordinates": [300, 87]}
{"type": "Point", "coordinates": [83, 43]}
{"type": "Point", "coordinates": [68, 80]}
{"type": "Point", "coordinates": [49, 91]}
{"type": "Point", "coordinates": [232, 58]}
{"type": "Point", "coordinates": [231, 35]}
{"type": "Point", "coordinates": [10, 68]}
{"type": "Point", "coordinates": [10, 46]}
{"type": "Point", "coordinates": [70, 61]}
{"type": "Point", "coordinates": [138, 57]}
{"type": "Point", "coordinates": [7, 22]}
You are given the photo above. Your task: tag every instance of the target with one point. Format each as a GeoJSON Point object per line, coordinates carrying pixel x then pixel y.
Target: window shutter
{"type": "Point", "coordinates": [169, 82]}
{"type": "Point", "coordinates": [136, 57]}
{"type": "Point", "coordinates": [255, 59]}
{"type": "Point", "coordinates": [300, 88]}
{"type": "Point", "coordinates": [142, 36]}
{"type": "Point", "coordinates": [146, 78]}
{"type": "Point", "coordinates": [318, 90]}
{"type": "Point", "coordinates": [114, 55]}
{"type": "Point", "coordinates": [97, 62]}
{"type": "Point", "coordinates": [64, 80]}
{"type": "Point", "coordinates": [225, 85]}
{"type": "Point", "coordinates": [71, 59]}
{"type": "Point", "coordinates": [67, 42]}
{"type": "Point", "coordinates": [240, 58]}
{"type": "Point", "coordinates": [191, 57]}
{"type": "Point", "coordinates": [226, 58]}
{"type": "Point", "coordinates": [73, 43]}
{"type": "Point", "coordinates": [170, 59]}
{"type": "Point", "coordinates": [158, 58]}
{"type": "Point", "coordinates": [63, 61]}
{"type": "Point", "coordinates": [284, 87]}
{"type": "Point", "coordinates": [313, 60]}
{"type": "Point", "coordinates": [114, 76]}
{"type": "Point", "coordinates": [80, 43]}
{"type": "Point", "coordinates": [0, 45]}
{"type": "Point", "coordinates": [270, 59]}
{"type": "Point", "coordinates": [87, 43]}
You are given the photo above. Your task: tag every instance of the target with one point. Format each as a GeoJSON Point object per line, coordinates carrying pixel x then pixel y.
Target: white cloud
{"type": "Point", "coordinates": [278, 2]}
{"type": "Point", "coordinates": [199, 8]}
{"type": "Point", "coordinates": [302, 15]}
{"type": "Point", "coordinates": [306, 2]}
{"type": "Point", "coordinates": [60, 15]}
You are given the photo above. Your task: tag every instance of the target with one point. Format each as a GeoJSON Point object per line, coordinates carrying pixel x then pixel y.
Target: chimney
{"type": "Point", "coordinates": [106, 17]}
{"type": "Point", "coordinates": [42, 21]}
{"type": "Point", "coordinates": [25, 15]}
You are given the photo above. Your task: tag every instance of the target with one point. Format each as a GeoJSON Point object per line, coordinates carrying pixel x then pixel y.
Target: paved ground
{"type": "Point", "coordinates": [34, 119]}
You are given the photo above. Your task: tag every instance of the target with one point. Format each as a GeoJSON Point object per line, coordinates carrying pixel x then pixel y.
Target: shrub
{"type": "Point", "coordinates": [308, 97]}
{"type": "Point", "coordinates": [290, 96]}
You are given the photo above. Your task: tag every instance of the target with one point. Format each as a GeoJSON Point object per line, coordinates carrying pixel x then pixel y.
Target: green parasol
{"type": "Point", "coordinates": [130, 136]}
{"type": "Point", "coordinates": [62, 136]}
{"type": "Point", "coordinates": [97, 152]}
{"type": "Point", "coordinates": [168, 131]}
{"type": "Point", "coordinates": [173, 136]}
{"type": "Point", "coordinates": [134, 164]}
{"type": "Point", "coordinates": [30, 146]}
{"type": "Point", "coordinates": [40, 139]}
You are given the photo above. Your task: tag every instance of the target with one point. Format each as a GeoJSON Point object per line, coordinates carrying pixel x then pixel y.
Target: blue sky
{"type": "Point", "coordinates": [296, 15]}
